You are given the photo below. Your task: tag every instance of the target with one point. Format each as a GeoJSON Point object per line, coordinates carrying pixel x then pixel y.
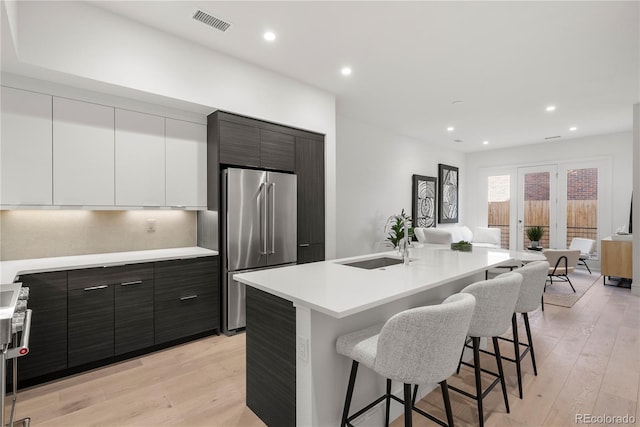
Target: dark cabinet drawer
{"type": "Point", "coordinates": [310, 253]}
{"type": "Point", "coordinates": [133, 316]}
{"type": "Point", "coordinates": [181, 317]}
{"type": "Point", "coordinates": [90, 324]}
{"type": "Point", "coordinates": [88, 277]}
{"type": "Point", "coordinates": [180, 278]}
{"type": "Point", "coordinates": [48, 343]}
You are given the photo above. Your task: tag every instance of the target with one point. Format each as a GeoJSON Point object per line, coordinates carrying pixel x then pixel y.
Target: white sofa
{"type": "Point", "coordinates": [482, 236]}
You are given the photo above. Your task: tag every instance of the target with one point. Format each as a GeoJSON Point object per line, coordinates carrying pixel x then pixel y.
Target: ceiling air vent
{"type": "Point", "coordinates": [552, 137]}
{"type": "Point", "coordinates": [211, 20]}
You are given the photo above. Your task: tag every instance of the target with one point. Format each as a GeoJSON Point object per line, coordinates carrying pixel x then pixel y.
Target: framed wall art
{"type": "Point", "coordinates": [423, 202]}
{"type": "Point", "coordinates": [448, 194]}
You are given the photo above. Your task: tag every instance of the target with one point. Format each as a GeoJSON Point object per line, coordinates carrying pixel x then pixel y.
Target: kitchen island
{"type": "Point", "coordinates": [296, 313]}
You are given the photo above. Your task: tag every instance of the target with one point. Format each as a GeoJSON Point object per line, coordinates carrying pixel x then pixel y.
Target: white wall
{"type": "Point", "coordinates": [617, 147]}
{"type": "Point", "coordinates": [374, 175]}
{"type": "Point", "coordinates": [79, 40]}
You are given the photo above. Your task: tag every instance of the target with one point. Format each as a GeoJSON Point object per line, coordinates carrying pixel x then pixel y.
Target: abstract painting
{"type": "Point", "coordinates": [448, 194]}
{"type": "Point", "coordinates": [424, 201]}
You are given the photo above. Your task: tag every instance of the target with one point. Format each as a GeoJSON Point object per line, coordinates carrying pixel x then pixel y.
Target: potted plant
{"type": "Point", "coordinates": [535, 234]}
{"type": "Point", "coordinates": [395, 228]}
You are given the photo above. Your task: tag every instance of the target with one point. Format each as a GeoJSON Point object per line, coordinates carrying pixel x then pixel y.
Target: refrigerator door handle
{"type": "Point", "coordinates": [273, 218]}
{"type": "Point", "coordinates": [262, 203]}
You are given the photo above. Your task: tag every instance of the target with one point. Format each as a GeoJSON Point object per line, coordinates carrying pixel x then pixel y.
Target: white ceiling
{"type": "Point", "coordinates": [506, 61]}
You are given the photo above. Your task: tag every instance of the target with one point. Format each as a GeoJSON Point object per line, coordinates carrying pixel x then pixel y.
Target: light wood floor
{"type": "Point", "coordinates": [588, 362]}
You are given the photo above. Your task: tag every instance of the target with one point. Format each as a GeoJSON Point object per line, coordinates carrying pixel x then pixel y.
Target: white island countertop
{"type": "Point", "coordinates": [10, 269]}
{"type": "Point", "coordinates": [339, 290]}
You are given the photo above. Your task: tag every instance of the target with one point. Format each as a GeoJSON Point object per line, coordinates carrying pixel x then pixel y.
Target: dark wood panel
{"type": "Point", "coordinates": [230, 117]}
{"type": "Point", "coordinates": [311, 189]}
{"type": "Point", "coordinates": [277, 150]}
{"type": "Point", "coordinates": [239, 144]}
{"type": "Point", "coordinates": [213, 162]}
{"type": "Point", "coordinates": [48, 342]}
{"type": "Point", "coordinates": [271, 358]}
{"type": "Point", "coordinates": [181, 278]}
{"type": "Point", "coordinates": [311, 253]}
{"type": "Point", "coordinates": [133, 316]}
{"type": "Point", "coordinates": [87, 277]}
{"type": "Point", "coordinates": [90, 322]}
{"type": "Point", "coordinates": [175, 319]}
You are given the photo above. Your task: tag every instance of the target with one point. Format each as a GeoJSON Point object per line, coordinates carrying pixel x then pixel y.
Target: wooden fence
{"type": "Point", "coordinates": [582, 219]}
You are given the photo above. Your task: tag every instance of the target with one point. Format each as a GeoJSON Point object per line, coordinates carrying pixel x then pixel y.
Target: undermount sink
{"type": "Point", "coordinates": [6, 298]}
{"type": "Point", "coordinates": [373, 263]}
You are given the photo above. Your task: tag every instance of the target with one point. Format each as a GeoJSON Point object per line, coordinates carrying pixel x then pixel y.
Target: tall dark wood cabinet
{"type": "Point", "coordinates": [48, 342]}
{"type": "Point", "coordinates": [311, 202]}
{"type": "Point", "coordinates": [237, 141]}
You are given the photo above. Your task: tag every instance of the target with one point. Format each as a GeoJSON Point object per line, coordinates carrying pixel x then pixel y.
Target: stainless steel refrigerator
{"type": "Point", "coordinates": [259, 226]}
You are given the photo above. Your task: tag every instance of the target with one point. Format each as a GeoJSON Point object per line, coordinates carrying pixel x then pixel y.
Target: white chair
{"type": "Point", "coordinates": [561, 263]}
{"type": "Point", "coordinates": [586, 247]}
{"type": "Point", "coordinates": [534, 276]}
{"type": "Point", "coordinates": [486, 237]}
{"type": "Point", "coordinates": [433, 235]}
{"type": "Point", "coordinates": [495, 304]}
{"type": "Point", "coordinates": [416, 346]}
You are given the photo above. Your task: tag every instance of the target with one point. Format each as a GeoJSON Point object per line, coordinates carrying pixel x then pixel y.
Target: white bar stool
{"type": "Point", "coordinates": [416, 346]}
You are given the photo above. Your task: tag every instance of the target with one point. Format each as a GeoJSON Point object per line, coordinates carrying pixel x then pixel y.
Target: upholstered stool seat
{"type": "Point", "coordinates": [534, 276]}
{"type": "Point", "coordinates": [416, 346]}
{"type": "Point", "coordinates": [495, 304]}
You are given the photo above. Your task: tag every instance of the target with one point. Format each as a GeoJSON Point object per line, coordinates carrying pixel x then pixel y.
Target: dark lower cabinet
{"type": "Point", "coordinates": [133, 316]}
{"type": "Point", "coordinates": [310, 253]}
{"type": "Point", "coordinates": [110, 311]}
{"type": "Point", "coordinates": [48, 341]}
{"type": "Point", "coordinates": [91, 334]}
{"type": "Point", "coordinates": [186, 297]}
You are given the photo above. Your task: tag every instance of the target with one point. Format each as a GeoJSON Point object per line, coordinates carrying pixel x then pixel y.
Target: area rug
{"type": "Point", "coordinates": [560, 292]}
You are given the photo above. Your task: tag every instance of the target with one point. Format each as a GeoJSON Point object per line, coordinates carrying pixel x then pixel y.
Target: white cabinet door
{"type": "Point", "coordinates": [82, 153]}
{"type": "Point", "coordinates": [25, 148]}
{"type": "Point", "coordinates": [186, 145]}
{"type": "Point", "coordinates": [139, 159]}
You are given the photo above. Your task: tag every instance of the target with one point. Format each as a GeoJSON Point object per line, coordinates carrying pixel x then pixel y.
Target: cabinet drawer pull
{"type": "Point", "coordinates": [136, 282]}
{"type": "Point", "coordinates": [304, 245]}
{"type": "Point", "coordinates": [188, 297]}
{"type": "Point", "coordinates": [95, 288]}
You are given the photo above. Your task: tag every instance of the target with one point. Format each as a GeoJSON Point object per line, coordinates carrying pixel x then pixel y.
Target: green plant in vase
{"type": "Point", "coordinates": [395, 228]}
{"type": "Point", "coordinates": [534, 234]}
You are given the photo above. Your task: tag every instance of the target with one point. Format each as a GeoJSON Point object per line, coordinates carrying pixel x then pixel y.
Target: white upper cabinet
{"type": "Point", "coordinates": [186, 165]}
{"type": "Point", "coordinates": [83, 157]}
{"type": "Point", "coordinates": [25, 148]}
{"type": "Point", "coordinates": [140, 161]}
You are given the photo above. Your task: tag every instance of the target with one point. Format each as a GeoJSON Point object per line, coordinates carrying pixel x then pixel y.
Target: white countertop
{"type": "Point", "coordinates": [10, 269]}
{"type": "Point", "coordinates": [339, 290]}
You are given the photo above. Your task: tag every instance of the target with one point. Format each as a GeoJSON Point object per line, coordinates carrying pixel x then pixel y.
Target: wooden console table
{"type": "Point", "coordinates": [616, 258]}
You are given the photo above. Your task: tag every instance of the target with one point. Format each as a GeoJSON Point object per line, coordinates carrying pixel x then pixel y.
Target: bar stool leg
{"type": "Point", "coordinates": [347, 400]}
{"type": "Point", "coordinates": [501, 372]}
{"type": "Point", "coordinates": [476, 363]}
{"type": "Point", "coordinates": [408, 407]}
{"type": "Point", "coordinates": [386, 417]}
{"type": "Point", "coordinates": [516, 348]}
{"type": "Point", "coordinates": [533, 357]}
{"type": "Point", "coordinates": [447, 402]}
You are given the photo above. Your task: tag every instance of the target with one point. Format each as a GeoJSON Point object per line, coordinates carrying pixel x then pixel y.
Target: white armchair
{"type": "Point", "coordinates": [586, 247]}
{"type": "Point", "coordinates": [486, 237]}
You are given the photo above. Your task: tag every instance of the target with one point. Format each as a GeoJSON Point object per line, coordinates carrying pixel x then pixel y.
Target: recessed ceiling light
{"type": "Point", "coordinates": [269, 36]}
{"type": "Point", "coordinates": [485, 142]}
{"type": "Point", "coordinates": [450, 129]}
{"type": "Point", "coordinates": [551, 108]}
{"type": "Point", "coordinates": [346, 71]}
{"type": "Point", "coordinates": [573, 128]}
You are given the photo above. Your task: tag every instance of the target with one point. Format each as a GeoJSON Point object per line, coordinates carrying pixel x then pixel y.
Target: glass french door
{"type": "Point", "coordinates": [567, 200]}
{"type": "Point", "coordinates": [537, 204]}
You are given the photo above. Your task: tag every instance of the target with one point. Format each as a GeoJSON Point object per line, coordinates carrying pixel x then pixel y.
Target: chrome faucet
{"type": "Point", "coordinates": [404, 244]}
